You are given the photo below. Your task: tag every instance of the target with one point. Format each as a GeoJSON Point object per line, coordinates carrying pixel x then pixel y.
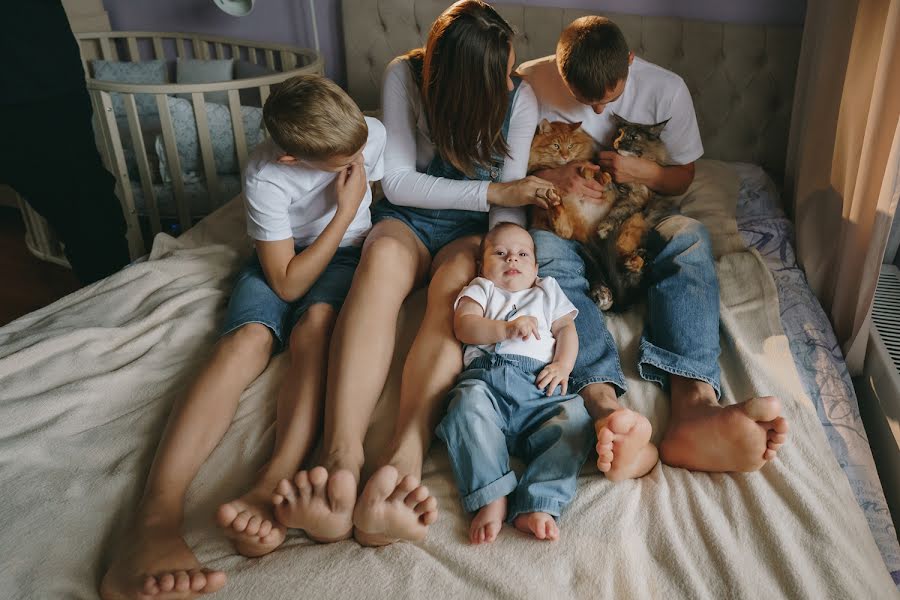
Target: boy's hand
{"type": "Point", "coordinates": [351, 187]}
{"type": "Point", "coordinates": [627, 169]}
{"type": "Point", "coordinates": [521, 328]}
{"type": "Point", "coordinates": [553, 375]}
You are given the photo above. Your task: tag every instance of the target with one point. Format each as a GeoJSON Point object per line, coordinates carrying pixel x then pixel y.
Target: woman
{"type": "Point", "coordinates": [459, 130]}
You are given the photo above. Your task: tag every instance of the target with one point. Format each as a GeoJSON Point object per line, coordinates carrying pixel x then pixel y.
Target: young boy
{"type": "Point", "coordinates": [307, 202]}
{"type": "Point", "coordinates": [521, 347]}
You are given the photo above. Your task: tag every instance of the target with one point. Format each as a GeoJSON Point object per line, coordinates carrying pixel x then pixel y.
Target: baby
{"type": "Point", "coordinates": [521, 344]}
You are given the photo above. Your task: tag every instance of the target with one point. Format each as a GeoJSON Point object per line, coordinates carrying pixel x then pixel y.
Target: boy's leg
{"type": "Point", "coordinates": [554, 452]}
{"type": "Point", "coordinates": [249, 520]}
{"type": "Point", "coordinates": [474, 432]}
{"type": "Point", "coordinates": [623, 446]}
{"type": "Point", "coordinates": [680, 347]}
{"type": "Point", "coordinates": [157, 558]}
{"type": "Point", "coordinates": [393, 262]}
{"type": "Point", "coordinates": [432, 365]}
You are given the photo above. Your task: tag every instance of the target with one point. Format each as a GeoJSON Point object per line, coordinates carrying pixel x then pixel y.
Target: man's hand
{"type": "Point", "coordinates": [521, 328]}
{"type": "Point", "coordinates": [553, 375]}
{"type": "Point", "coordinates": [628, 169]}
{"type": "Point", "coordinates": [569, 180]}
{"type": "Point", "coordinates": [350, 186]}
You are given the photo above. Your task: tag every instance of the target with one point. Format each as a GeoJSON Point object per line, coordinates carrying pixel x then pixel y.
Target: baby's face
{"type": "Point", "coordinates": [509, 260]}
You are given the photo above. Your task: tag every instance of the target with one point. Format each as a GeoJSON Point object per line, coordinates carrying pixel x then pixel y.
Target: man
{"type": "Point", "coordinates": [593, 75]}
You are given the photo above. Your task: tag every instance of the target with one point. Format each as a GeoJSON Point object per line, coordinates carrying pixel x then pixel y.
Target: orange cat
{"type": "Point", "coordinates": [557, 144]}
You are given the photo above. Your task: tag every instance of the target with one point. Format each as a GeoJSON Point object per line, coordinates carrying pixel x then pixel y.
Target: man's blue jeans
{"type": "Point", "coordinates": [682, 332]}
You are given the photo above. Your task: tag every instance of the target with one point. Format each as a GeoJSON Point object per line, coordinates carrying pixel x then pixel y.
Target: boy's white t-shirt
{"type": "Point", "coordinates": [651, 95]}
{"type": "Point", "coordinates": [545, 301]}
{"type": "Point", "coordinates": [284, 200]}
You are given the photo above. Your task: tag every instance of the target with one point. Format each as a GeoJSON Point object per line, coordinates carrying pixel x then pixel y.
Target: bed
{"type": "Point", "coordinates": [86, 385]}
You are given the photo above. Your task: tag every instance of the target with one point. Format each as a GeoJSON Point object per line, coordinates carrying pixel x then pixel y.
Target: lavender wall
{"type": "Point", "coordinates": [287, 21]}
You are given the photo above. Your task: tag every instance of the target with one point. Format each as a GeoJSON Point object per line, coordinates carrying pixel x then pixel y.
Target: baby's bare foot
{"type": "Point", "coordinates": [320, 505]}
{"type": "Point", "coordinates": [392, 508]}
{"type": "Point", "coordinates": [741, 437]}
{"type": "Point", "coordinates": [487, 523]}
{"type": "Point", "coordinates": [540, 525]}
{"type": "Point", "coordinates": [250, 523]}
{"type": "Point", "coordinates": [624, 450]}
{"type": "Point", "coordinates": [158, 564]}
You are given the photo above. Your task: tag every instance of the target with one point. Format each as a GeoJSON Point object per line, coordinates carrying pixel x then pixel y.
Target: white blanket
{"type": "Point", "coordinates": [86, 385]}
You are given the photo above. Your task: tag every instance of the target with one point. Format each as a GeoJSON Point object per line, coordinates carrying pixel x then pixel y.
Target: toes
{"type": "Point", "coordinates": [382, 483]}
{"type": "Point", "coordinates": [166, 582]}
{"type": "Point", "coordinates": [151, 586]}
{"type": "Point", "coordinates": [215, 580]}
{"type": "Point", "coordinates": [552, 530]}
{"type": "Point", "coordinates": [253, 525]}
{"type": "Point", "coordinates": [241, 521]}
{"type": "Point", "coordinates": [198, 580]}
{"type": "Point", "coordinates": [777, 438]}
{"type": "Point", "coordinates": [264, 528]}
{"type": "Point", "coordinates": [182, 581]}
{"type": "Point", "coordinates": [342, 491]}
{"type": "Point", "coordinates": [605, 436]}
{"type": "Point", "coordinates": [764, 409]}
{"type": "Point", "coordinates": [780, 425]}
{"type": "Point", "coordinates": [226, 514]}
{"type": "Point", "coordinates": [284, 492]}
{"type": "Point", "coordinates": [416, 496]}
{"type": "Point", "coordinates": [603, 466]}
{"type": "Point", "coordinates": [318, 477]}
{"type": "Point", "coordinates": [769, 454]}
{"type": "Point", "coordinates": [429, 504]}
{"type": "Point", "coordinates": [303, 485]}
{"type": "Point", "coordinates": [407, 486]}
{"type": "Point", "coordinates": [491, 531]}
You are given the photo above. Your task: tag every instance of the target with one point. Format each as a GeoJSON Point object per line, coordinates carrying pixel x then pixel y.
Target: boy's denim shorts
{"type": "Point", "coordinates": [436, 228]}
{"type": "Point", "coordinates": [253, 301]}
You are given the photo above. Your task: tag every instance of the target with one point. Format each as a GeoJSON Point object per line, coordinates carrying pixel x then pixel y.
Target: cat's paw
{"type": "Point", "coordinates": [634, 263]}
{"type": "Point", "coordinates": [603, 177]}
{"type": "Point", "coordinates": [602, 297]}
{"type": "Point", "coordinates": [604, 229]}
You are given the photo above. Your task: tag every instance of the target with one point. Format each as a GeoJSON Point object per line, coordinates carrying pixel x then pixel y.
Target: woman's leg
{"type": "Point", "coordinates": [384, 513]}
{"type": "Point", "coordinates": [394, 261]}
{"type": "Point", "coordinates": [157, 558]}
{"type": "Point", "coordinates": [249, 520]}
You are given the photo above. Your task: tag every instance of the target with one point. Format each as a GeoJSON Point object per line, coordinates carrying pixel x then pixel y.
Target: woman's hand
{"type": "Point", "coordinates": [522, 192]}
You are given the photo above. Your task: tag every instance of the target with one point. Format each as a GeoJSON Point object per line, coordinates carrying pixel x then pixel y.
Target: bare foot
{"type": "Point", "coordinates": [158, 564]}
{"type": "Point", "coordinates": [249, 522]}
{"type": "Point", "coordinates": [741, 437]}
{"type": "Point", "coordinates": [540, 525]}
{"type": "Point", "coordinates": [320, 505]}
{"type": "Point", "coordinates": [392, 509]}
{"type": "Point", "coordinates": [487, 523]}
{"type": "Point", "coordinates": [624, 450]}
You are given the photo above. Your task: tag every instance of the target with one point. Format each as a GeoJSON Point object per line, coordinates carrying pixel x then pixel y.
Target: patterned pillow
{"type": "Point", "coordinates": [193, 70]}
{"type": "Point", "coordinates": [221, 136]}
{"type": "Point", "coordinates": [149, 71]}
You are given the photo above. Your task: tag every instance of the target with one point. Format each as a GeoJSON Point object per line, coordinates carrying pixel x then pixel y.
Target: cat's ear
{"type": "Point", "coordinates": [544, 126]}
{"type": "Point", "coordinates": [619, 120]}
{"type": "Point", "coordinates": [573, 127]}
{"type": "Point", "coordinates": [655, 130]}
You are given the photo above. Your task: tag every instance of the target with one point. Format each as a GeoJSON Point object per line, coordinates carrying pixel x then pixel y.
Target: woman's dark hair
{"type": "Point", "coordinates": [462, 73]}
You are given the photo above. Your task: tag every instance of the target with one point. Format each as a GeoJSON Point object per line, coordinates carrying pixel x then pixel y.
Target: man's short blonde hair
{"type": "Point", "coordinates": [311, 117]}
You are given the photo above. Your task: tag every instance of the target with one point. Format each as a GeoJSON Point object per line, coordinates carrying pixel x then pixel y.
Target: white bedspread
{"type": "Point", "coordinates": [86, 385]}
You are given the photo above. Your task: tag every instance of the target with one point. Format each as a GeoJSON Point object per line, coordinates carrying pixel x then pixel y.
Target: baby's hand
{"type": "Point", "coordinates": [553, 375]}
{"type": "Point", "coordinates": [521, 328]}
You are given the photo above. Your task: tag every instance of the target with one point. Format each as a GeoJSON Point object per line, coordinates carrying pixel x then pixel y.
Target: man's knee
{"type": "Point", "coordinates": [684, 231]}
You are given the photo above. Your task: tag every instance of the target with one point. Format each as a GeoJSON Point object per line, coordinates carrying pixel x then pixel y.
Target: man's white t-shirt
{"type": "Point", "coordinates": [545, 301]}
{"type": "Point", "coordinates": [293, 200]}
{"type": "Point", "coordinates": [651, 95]}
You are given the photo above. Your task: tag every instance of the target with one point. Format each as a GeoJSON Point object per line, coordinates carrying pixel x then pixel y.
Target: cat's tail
{"type": "Point", "coordinates": [609, 286]}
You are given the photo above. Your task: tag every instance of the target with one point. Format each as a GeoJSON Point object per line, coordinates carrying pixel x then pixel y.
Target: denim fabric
{"type": "Point", "coordinates": [497, 410]}
{"type": "Point", "coordinates": [437, 228]}
{"type": "Point", "coordinates": [598, 359]}
{"type": "Point", "coordinates": [253, 301]}
{"type": "Point", "coordinates": [682, 333]}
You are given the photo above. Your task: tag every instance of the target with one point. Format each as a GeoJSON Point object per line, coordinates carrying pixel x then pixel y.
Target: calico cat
{"type": "Point", "coordinates": [617, 237]}
{"type": "Point", "coordinates": [557, 144]}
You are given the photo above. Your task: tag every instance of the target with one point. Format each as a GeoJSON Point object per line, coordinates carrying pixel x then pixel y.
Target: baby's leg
{"type": "Point", "coordinates": [555, 452]}
{"type": "Point", "coordinates": [474, 433]}
{"type": "Point", "coordinates": [249, 520]}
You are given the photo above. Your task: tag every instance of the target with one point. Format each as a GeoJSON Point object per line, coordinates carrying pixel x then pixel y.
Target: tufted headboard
{"type": "Point", "coordinates": [740, 76]}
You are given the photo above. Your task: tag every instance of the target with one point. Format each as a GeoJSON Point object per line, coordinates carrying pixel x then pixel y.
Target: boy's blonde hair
{"type": "Point", "coordinates": [311, 118]}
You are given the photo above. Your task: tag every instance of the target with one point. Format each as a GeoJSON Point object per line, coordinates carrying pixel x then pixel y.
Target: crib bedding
{"type": "Point", "coordinates": [764, 226]}
{"type": "Point", "coordinates": [88, 381]}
